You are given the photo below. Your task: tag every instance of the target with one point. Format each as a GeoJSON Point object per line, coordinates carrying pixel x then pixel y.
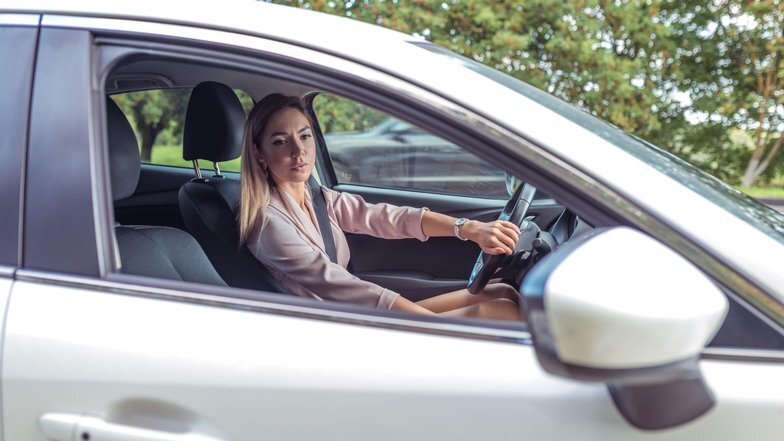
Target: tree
{"type": "Point", "coordinates": [614, 59]}
{"type": "Point", "coordinates": [688, 75]}
{"type": "Point", "coordinates": [738, 75]}
{"type": "Point", "coordinates": [153, 111]}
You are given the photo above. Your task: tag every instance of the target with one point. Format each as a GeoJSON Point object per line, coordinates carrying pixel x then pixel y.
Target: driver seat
{"type": "Point", "coordinates": [214, 125]}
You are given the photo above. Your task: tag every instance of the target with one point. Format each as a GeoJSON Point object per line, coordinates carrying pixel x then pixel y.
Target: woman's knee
{"type": "Point", "coordinates": [499, 309]}
{"type": "Point", "coordinates": [501, 291]}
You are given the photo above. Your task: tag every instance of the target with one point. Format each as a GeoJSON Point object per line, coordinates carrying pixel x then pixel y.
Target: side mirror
{"type": "Point", "coordinates": [616, 306]}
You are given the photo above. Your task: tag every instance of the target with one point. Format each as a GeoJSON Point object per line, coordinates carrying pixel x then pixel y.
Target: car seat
{"type": "Point", "coordinates": [214, 124]}
{"type": "Point", "coordinates": [152, 251]}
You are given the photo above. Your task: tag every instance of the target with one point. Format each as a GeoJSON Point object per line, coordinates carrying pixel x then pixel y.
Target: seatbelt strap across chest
{"type": "Point", "coordinates": [322, 217]}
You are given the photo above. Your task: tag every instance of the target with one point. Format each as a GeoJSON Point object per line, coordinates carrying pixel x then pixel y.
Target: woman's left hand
{"type": "Point", "coordinates": [496, 237]}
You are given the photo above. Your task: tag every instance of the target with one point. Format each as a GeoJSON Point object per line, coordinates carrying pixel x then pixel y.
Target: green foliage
{"type": "Point", "coordinates": [680, 73]}
{"type": "Point", "coordinates": [154, 111]}
{"type": "Point", "coordinates": [245, 99]}
{"type": "Point", "coordinates": [764, 192]}
{"type": "Point", "coordinates": [342, 115]}
{"type": "Point", "coordinates": [164, 154]}
{"type": "Point", "coordinates": [612, 58]}
{"type": "Point", "coordinates": [158, 118]}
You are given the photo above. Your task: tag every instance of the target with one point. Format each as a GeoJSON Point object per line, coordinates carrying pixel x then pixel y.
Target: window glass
{"type": "Point", "coordinates": [158, 117]}
{"type": "Point", "coordinates": [770, 222]}
{"type": "Point", "coordinates": [369, 147]}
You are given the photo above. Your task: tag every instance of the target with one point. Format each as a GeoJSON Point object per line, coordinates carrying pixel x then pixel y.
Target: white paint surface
{"type": "Point", "coordinates": [239, 375]}
{"type": "Point", "coordinates": [623, 300]}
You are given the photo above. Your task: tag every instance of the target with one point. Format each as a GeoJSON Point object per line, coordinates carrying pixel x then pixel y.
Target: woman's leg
{"type": "Point", "coordinates": [460, 299]}
{"type": "Point", "coordinates": [496, 309]}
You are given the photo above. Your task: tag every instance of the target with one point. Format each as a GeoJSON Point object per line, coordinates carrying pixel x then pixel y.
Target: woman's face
{"type": "Point", "coordinates": [287, 147]}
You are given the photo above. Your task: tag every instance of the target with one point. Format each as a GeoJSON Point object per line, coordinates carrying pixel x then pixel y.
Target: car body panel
{"type": "Point", "coordinates": [250, 374]}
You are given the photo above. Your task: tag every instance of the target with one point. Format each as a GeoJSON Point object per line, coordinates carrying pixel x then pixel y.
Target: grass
{"type": "Point", "coordinates": [172, 155]}
{"type": "Point", "coordinates": [763, 192]}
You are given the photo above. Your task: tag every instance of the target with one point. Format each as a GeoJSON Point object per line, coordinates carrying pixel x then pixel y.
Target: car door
{"type": "Point", "coordinates": [90, 353]}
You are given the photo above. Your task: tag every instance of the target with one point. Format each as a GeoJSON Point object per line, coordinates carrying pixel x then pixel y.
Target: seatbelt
{"type": "Point", "coordinates": [320, 209]}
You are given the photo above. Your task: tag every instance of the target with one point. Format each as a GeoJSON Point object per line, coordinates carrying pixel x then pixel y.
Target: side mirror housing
{"type": "Point", "coordinates": [616, 306]}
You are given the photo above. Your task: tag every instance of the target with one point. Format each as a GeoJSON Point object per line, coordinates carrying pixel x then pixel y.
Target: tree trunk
{"type": "Point", "coordinates": [750, 175]}
{"type": "Point", "coordinates": [756, 165]}
{"type": "Point", "coordinates": [149, 133]}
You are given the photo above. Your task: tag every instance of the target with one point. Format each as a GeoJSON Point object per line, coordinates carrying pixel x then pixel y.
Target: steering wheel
{"type": "Point", "coordinates": [487, 264]}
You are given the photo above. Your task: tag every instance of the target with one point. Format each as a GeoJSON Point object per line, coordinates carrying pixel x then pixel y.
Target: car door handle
{"type": "Point", "coordinates": [71, 427]}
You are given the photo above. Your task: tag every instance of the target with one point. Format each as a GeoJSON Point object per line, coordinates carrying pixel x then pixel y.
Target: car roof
{"type": "Point", "coordinates": [285, 23]}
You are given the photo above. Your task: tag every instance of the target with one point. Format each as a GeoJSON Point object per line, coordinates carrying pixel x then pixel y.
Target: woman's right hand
{"type": "Point", "coordinates": [496, 237]}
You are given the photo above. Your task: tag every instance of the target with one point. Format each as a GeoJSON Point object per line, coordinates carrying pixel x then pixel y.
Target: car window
{"type": "Point", "coordinates": [741, 205]}
{"type": "Point", "coordinates": [158, 117]}
{"type": "Point", "coordinates": [369, 147]}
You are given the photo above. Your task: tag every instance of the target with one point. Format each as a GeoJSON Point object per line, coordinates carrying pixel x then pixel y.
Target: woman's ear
{"type": "Point", "coordinates": [257, 154]}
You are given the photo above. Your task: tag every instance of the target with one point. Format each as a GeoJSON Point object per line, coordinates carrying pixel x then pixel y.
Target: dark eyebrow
{"type": "Point", "coordinates": [286, 133]}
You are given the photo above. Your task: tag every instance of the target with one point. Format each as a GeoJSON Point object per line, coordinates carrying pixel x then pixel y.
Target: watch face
{"type": "Point", "coordinates": [460, 221]}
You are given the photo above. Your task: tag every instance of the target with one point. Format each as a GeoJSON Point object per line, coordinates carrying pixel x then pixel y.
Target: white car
{"type": "Point", "coordinates": [653, 294]}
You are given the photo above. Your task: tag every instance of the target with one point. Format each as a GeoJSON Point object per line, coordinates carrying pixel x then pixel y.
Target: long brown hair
{"type": "Point", "coordinates": [255, 182]}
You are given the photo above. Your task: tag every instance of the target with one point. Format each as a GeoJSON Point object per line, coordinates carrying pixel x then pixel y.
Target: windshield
{"type": "Point", "coordinates": [741, 205]}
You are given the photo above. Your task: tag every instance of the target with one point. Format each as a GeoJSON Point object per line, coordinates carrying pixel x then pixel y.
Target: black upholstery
{"type": "Point", "coordinates": [150, 251]}
{"type": "Point", "coordinates": [123, 153]}
{"type": "Point", "coordinates": [164, 252]}
{"type": "Point", "coordinates": [213, 124]}
{"type": "Point", "coordinates": [209, 206]}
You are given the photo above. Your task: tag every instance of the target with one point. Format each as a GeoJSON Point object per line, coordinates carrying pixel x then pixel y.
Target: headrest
{"type": "Point", "coordinates": [123, 152]}
{"type": "Point", "coordinates": [214, 124]}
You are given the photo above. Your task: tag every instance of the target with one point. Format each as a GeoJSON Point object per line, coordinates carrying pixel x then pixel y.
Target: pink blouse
{"type": "Point", "coordinates": [291, 246]}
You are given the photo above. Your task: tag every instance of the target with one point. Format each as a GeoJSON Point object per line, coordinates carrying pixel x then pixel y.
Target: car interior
{"type": "Point", "coordinates": [187, 215]}
{"type": "Point", "coordinates": [204, 202]}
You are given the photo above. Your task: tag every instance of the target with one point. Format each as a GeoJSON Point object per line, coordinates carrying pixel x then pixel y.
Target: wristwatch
{"type": "Point", "coordinates": [459, 223]}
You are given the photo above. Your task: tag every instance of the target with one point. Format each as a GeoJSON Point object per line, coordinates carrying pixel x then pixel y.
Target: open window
{"type": "Point", "coordinates": [154, 206]}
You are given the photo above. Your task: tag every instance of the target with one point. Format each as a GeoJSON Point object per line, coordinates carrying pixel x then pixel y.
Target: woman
{"type": "Point", "coordinates": [279, 226]}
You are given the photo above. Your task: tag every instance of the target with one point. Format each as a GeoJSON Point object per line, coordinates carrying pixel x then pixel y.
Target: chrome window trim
{"type": "Point", "coordinates": [7, 271]}
{"type": "Point", "coordinates": [289, 306]}
{"type": "Point", "coordinates": [514, 145]}
{"type": "Point", "coordinates": [742, 354]}
{"type": "Point", "coordinates": [20, 19]}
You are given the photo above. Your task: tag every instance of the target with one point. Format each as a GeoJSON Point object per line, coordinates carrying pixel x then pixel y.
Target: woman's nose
{"type": "Point", "coordinates": [297, 148]}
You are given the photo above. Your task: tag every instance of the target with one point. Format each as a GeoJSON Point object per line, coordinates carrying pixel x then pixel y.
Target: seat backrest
{"type": "Point", "coordinates": [214, 123]}
{"type": "Point", "coordinates": [151, 251]}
